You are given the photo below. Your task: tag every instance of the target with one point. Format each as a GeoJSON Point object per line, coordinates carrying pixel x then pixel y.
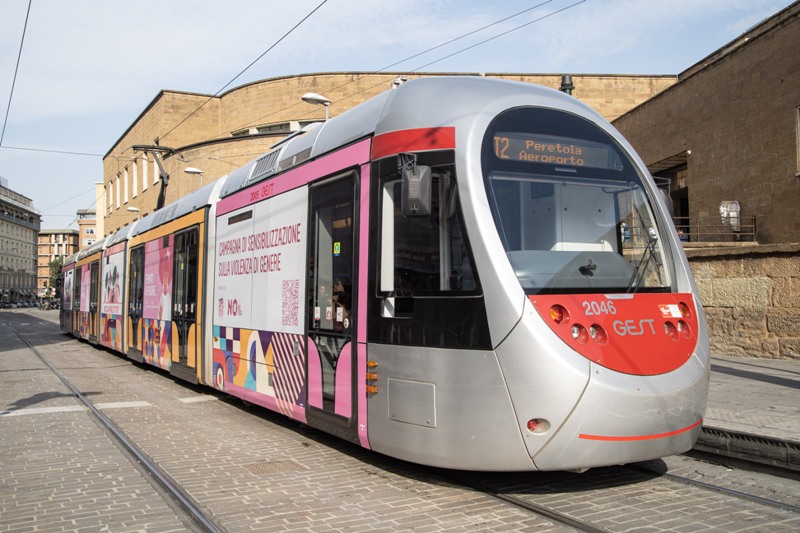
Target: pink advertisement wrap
{"type": "Point", "coordinates": [157, 302]}
{"type": "Point", "coordinates": [86, 287]}
{"type": "Point", "coordinates": [158, 280]}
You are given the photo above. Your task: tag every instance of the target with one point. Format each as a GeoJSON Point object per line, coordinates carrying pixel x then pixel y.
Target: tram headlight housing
{"type": "Point", "coordinates": [559, 314]}
{"type": "Point", "coordinates": [579, 333]}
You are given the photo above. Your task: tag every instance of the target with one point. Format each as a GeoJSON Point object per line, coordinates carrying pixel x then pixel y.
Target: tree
{"type": "Point", "coordinates": [55, 275]}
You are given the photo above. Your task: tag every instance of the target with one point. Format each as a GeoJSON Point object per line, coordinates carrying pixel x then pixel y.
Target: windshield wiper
{"type": "Point", "coordinates": [588, 269]}
{"type": "Point", "coordinates": [641, 267]}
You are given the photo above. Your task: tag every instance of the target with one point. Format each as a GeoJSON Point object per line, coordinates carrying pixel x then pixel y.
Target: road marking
{"type": "Point", "coordinates": [198, 399]}
{"type": "Point", "coordinates": [70, 408]}
{"type": "Point", "coordinates": [42, 410]}
{"type": "Point", "coordinates": [122, 405]}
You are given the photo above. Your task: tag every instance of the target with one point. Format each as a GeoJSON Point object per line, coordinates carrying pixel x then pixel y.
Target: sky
{"type": "Point", "coordinates": [87, 68]}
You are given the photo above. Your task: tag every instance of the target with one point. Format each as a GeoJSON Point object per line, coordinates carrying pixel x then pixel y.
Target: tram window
{"type": "Point", "coordinates": [571, 209]}
{"type": "Point", "coordinates": [93, 287]}
{"type": "Point", "coordinates": [136, 281]}
{"type": "Point", "coordinates": [425, 256]}
{"type": "Point", "coordinates": [77, 275]}
{"type": "Point", "coordinates": [184, 277]}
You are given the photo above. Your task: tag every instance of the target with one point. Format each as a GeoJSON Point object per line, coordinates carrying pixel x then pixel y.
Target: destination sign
{"type": "Point", "coordinates": [554, 150]}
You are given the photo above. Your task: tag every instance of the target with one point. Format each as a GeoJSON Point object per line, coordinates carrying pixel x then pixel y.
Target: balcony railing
{"type": "Point", "coordinates": [713, 230]}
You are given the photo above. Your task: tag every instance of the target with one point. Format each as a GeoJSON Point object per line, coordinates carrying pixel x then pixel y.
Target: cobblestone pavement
{"type": "Point", "coordinates": [253, 470]}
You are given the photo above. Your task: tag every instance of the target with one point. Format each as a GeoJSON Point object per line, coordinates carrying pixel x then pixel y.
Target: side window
{"type": "Point", "coordinates": [93, 287]}
{"type": "Point", "coordinates": [77, 276]}
{"type": "Point", "coordinates": [136, 281]}
{"type": "Point", "coordinates": [184, 288]}
{"type": "Point", "coordinates": [427, 255]}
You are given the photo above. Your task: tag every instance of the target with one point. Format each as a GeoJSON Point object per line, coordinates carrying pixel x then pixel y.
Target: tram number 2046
{"type": "Point", "coordinates": [605, 307]}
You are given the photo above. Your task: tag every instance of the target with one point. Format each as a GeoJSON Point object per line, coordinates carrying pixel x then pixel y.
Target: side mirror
{"type": "Point", "coordinates": [416, 186]}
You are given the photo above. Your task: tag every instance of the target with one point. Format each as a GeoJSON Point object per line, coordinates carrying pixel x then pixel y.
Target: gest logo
{"type": "Point", "coordinates": [630, 327]}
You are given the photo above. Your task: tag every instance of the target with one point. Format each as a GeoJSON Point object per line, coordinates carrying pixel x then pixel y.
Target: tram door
{"type": "Point", "coordinates": [331, 320]}
{"type": "Point", "coordinates": [94, 308]}
{"type": "Point", "coordinates": [135, 303]}
{"type": "Point", "coordinates": [184, 304]}
{"type": "Point", "coordinates": [76, 302]}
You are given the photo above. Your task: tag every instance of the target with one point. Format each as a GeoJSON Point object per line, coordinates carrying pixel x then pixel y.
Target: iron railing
{"type": "Point", "coordinates": [699, 229]}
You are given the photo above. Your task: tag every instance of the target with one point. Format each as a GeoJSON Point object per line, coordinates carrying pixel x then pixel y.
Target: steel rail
{"type": "Point", "coordinates": [163, 483]}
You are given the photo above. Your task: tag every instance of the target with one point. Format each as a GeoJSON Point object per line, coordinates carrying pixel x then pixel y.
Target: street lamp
{"type": "Point", "coordinates": [314, 98]}
{"type": "Point", "coordinates": [196, 172]}
{"type": "Point", "coordinates": [566, 84]}
{"type": "Point", "coordinates": [134, 210]}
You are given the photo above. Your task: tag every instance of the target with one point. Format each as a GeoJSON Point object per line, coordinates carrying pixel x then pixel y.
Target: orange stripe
{"type": "Point", "coordinates": [640, 437]}
{"type": "Point", "coordinates": [416, 140]}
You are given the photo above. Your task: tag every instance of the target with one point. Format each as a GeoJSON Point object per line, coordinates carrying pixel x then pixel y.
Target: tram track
{"type": "Point", "coordinates": [522, 503]}
{"type": "Point", "coordinates": [557, 495]}
{"type": "Point", "coordinates": [655, 495]}
{"type": "Point", "coordinates": [767, 502]}
{"type": "Point", "coordinates": [174, 496]}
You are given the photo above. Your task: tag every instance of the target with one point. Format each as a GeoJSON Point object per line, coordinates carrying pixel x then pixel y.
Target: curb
{"type": "Point", "coordinates": [759, 449]}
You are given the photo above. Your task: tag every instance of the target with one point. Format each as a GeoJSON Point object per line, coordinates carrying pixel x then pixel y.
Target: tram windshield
{"type": "Point", "coordinates": [571, 209]}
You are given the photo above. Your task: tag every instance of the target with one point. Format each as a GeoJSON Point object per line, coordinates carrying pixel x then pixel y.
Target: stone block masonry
{"type": "Point", "coordinates": [751, 296]}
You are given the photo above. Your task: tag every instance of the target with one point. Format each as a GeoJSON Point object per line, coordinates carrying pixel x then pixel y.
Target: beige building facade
{"type": "Point", "coordinates": [19, 226]}
{"type": "Point", "coordinates": [217, 134]}
{"type": "Point", "coordinates": [87, 228]}
{"type": "Point", "coordinates": [51, 245]}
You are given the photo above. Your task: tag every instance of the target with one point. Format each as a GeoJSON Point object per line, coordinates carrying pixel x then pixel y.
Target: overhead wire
{"type": "Point", "coordinates": [16, 70]}
{"type": "Point", "coordinates": [501, 34]}
{"type": "Point", "coordinates": [473, 32]}
{"type": "Point", "coordinates": [75, 217]}
{"type": "Point", "coordinates": [246, 68]}
{"type": "Point", "coordinates": [464, 49]}
{"type": "Point", "coordinates": [436, 47]}
{"type": "Point", "coordinates": [311, 13]}
{"type": "Point", "coordinates": [48, 151]}
{"type": "Point", "coordinates": [257, 120]}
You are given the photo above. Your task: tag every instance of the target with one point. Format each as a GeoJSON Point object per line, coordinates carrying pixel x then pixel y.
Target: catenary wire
{"type": "Point", "coordinates": [467, 48]}
{"type": "Point", "coordinates": [189, 115]}
{"type": "Point", "coordinates": [246, 68]}
{"type": "Point", "coordinates": [16, 70]}
{"type": "Point", "coordinates": [47, 151]}
{"type": "Point", "coordinates": [349, 82]}
{"type": "Point", "coordinates": [501, 34]}
{"type": "Point", "coordinates": [473, 32]}
{"type": "Point", "coordinates": [255, 121]}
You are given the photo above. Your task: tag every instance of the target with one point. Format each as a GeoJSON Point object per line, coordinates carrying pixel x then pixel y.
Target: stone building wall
{"type": "Point", "coordinates": [751, 296]}
{"type": "Point", "coordinates": [733, 119]}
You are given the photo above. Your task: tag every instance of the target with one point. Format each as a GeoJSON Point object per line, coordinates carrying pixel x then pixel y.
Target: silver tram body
{"type": "Point", "coordinates": [519, 299]}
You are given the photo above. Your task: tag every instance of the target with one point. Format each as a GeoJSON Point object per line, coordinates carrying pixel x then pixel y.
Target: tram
{"type": "Point", "coordinates": [461, 272]}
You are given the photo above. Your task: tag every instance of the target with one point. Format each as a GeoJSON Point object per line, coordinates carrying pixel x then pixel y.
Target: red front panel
{"type": "Point", "coordinates": [641, 334]}
{"type": "Point", "coordinates": [416, 140]}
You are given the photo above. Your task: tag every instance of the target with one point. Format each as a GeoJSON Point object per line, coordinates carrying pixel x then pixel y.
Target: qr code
{"type": "Point", "coordinates": [291, 303]}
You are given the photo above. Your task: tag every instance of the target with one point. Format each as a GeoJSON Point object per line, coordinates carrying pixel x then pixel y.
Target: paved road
{"type": "Point", "coordinates": [252, 470]}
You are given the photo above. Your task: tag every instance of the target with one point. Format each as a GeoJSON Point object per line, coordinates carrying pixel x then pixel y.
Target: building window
{"type": "Point", "coordinates": [156, 174]}
{"type": "Point", "coordinates": [125, 186]}
{"type": "Point", "coordinates": [117, 187]}
{"type": "Point", "coordinates": [135, 179]}
{"type": "Point", "coordinates": [277, 128]}
{"type": "Point", "coordinates": [144, 172]}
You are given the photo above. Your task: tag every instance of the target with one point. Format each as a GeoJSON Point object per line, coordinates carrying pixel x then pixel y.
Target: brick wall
{"type": "Point", "coordinates": [751, 296]}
